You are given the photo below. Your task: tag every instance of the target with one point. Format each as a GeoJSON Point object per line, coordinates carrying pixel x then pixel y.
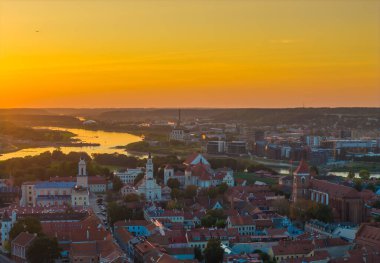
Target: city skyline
{"type": "Point", "coordinates": [170, 54]}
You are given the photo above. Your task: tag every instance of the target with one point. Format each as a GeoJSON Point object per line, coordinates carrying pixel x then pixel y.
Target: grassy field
{"type": "Point", "coordinates": [252, 178]}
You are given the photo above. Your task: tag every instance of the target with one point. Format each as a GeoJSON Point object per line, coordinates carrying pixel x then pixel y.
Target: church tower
{"type": "Point", "coordinates": [82, 179]}
{"type": "Point", "coordinates": [301, 181]}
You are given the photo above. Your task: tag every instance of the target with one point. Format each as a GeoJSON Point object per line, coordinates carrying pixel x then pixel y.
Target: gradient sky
{"type": "Point", "coordinates": [189, 53]}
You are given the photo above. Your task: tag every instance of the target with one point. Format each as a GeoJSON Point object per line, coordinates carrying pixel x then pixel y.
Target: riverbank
{"type": "Point", "coordinates": [81, 140]}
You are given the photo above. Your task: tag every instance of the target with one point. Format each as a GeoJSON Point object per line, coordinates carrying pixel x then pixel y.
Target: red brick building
{"type": "Point", "coordinates": [346, 202]}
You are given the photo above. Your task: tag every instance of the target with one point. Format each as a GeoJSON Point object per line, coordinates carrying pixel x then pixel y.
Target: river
{"type": "Point", "coordinates": [107, 140]}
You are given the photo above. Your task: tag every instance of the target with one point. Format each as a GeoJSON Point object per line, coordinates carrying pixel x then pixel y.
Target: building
{"type": "Point", "coordinates": [368, 236]}
{"type": "Point", "coordinates": [346, 203]}
{"type": "Point", "coordinates": [28, 196]}
{"type": "Point", "coordinates": [179, 133]}
{"type": "Point", "coordinates": [287, 250]}
{"type": "Point", "coordinates": [244, 224]}
{"type": "Point", "coordinates": [149, 187]}
{"type": "Point", "coordinates": [198, 172]}
{"type": "Point", "coordinates": [20, 245]}
{"type": "Point", "coordinates": [96, 184]}
{"type": "Point", "coordinates": [7, 223]}
{"type": "Point", "coordinates": [129, 175]}
{"type": "Point", "coordinates": [54, 193]}
{"type": "Point", "coordinates": [216, 147]}
{"type": "Point", "coordinates": [98, 251]}
{"type": "Point", "coordinates": [237, 147]}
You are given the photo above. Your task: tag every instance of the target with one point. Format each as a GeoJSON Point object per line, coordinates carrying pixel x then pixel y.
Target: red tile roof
{"type": "Point", "coordinates": [241, 220]}
{"type": "Point", "coordinates": [334, 190]}
{"type": "Point", "coordinates": [24, 239]}
{"type": "Point", "coordinates": [191, 158]}
{"type": "Point", "coordinates": [303, 168]}
{"type": "Point", "coordinates": [303, 247]}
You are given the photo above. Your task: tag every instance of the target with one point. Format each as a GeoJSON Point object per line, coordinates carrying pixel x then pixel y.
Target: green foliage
{"type": "Point", "coordinates": [118, 212]}
{"type": "Point", "coordinates": [191, 191]}
{"type": "Point", "coordinates": [222, 188]}
{"type": "Point", "coordinates": [173, 204]}
{"type": "Point", "coordinates": [371, 187]}
{"type": "Point", "coordinates": [351, 175]}
{"type": "Point", "coordinates": [321, 212]}
{"type": "Point", "coordinates": [177, 194]}
{"type": "Point", "coordinates": [213, 252]}
{"type": "Point", "coordinates": [27, 224]}
{"type": "Point", "coordinates": [130, 198]}
{"type": "Point", "coordinates": [117, 183]}
{"type": "Point", "coordinates": [358, 185]}
{"type": "Point", "coordinates": [364, 174]}
{"type": "Point", "coordinates": [305, 210]}
{"type": "Point", "coordinates": [43, 250]}
{"type": "Point", "coordinates": [212, 192]}
{"type": "Point", "coordinates": [263, 256]}
{"type": "Point", "coordinates": [214, 217]}
{"type": "Point", "coordinates": [376, 204]}
{"type": "Point", "coordinates": [198, 254]}
{"type": "Point", "coordinates": [27, 133]}
{"type": "Point", "coordinates": [116, 160]}
{"type": "Point", "coordinates": [47, 164]}
{"type": "Point", "coordinates": [173, 183]}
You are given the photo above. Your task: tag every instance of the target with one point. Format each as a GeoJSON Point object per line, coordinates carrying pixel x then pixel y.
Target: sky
{"type": "Point", "coordinates": [193, 53]}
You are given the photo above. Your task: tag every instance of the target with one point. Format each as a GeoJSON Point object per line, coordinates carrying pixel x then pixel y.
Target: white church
{"type": "Point", "coordinates": [149, 187]}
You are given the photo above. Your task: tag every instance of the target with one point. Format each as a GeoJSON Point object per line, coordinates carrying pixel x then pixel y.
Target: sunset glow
{"type": "Point", "coordinates": [189, 53]}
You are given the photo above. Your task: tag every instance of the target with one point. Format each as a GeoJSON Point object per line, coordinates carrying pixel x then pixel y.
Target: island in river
{"type": "Point", "coordinates": [76, 140]}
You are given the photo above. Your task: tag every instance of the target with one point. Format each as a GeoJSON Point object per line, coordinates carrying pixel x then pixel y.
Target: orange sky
{"type": "Point", "coordinates": [189, 53]}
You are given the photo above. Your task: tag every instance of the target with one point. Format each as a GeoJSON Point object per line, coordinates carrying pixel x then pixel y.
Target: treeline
{"type": "Point", "coordinates": [48, 164]}
{"type": "Point", "coordinates": [26, 133]}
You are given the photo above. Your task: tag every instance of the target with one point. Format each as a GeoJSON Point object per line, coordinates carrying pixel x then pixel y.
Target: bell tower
{"type": "Point", "coordinates": [82, 179]}
{"type": "Point", "coordinates": [301, 181]}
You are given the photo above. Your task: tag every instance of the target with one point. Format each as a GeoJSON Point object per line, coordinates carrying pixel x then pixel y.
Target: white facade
{"type": "Point", "coordinates": [149, 187]}
{"type": "Point", "coordinates": [82, 178]}
{"type": "Point", "coordinates": [6, 226]}
{"type": "Point", "coordinates": [28, 195]}
{"type": "Point", "coordinates": [128, 176]}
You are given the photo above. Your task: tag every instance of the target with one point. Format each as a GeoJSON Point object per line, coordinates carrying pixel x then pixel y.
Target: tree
{"type": "Point", "coordinates": [222, 188]}
{"type": "Point", "coordinates": [371, 187]}
{"type": "Point", "coordinates": [321, 212]}
{"type": "Point", "coordinates": [43, 250]}
{"type": "Point", "coordinates": [213, 252]}
{"type": "Point", "coordinates": [117, 183]}
{"type": "Point", "coordinates": [282, 206]}
{"type": "Point", "coordinates": [212, 192]}
{"type": "Point", "coordinates": [138, 178]}
{"type": "Point", "coordinates": [191, 191]}
{"type": "Point", "coordinates": [364, 174]}
{"type": "Point", "coordinates": [220, 223]}
{"type": "Point", "coordinates": [173, 183]}
{"type": "Point", "coordinates": [27, 224]}
{"type": "Point", "coordinates": [314, 170]}
{"type": "Point", "coordinates": [172, 204]}
{"type": "Point", "coordinates": [376, 204]}
{"type": "Point", "coordinates": [131, 198]}
{"type": "Point", "coordinates": [176, 193]}
{"type": "Point", "coordinates": [351, 175]}
{"type": "Point", "coordinates": [198, 254]}
{"type": "Point", "coordinates": [358, 184]}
